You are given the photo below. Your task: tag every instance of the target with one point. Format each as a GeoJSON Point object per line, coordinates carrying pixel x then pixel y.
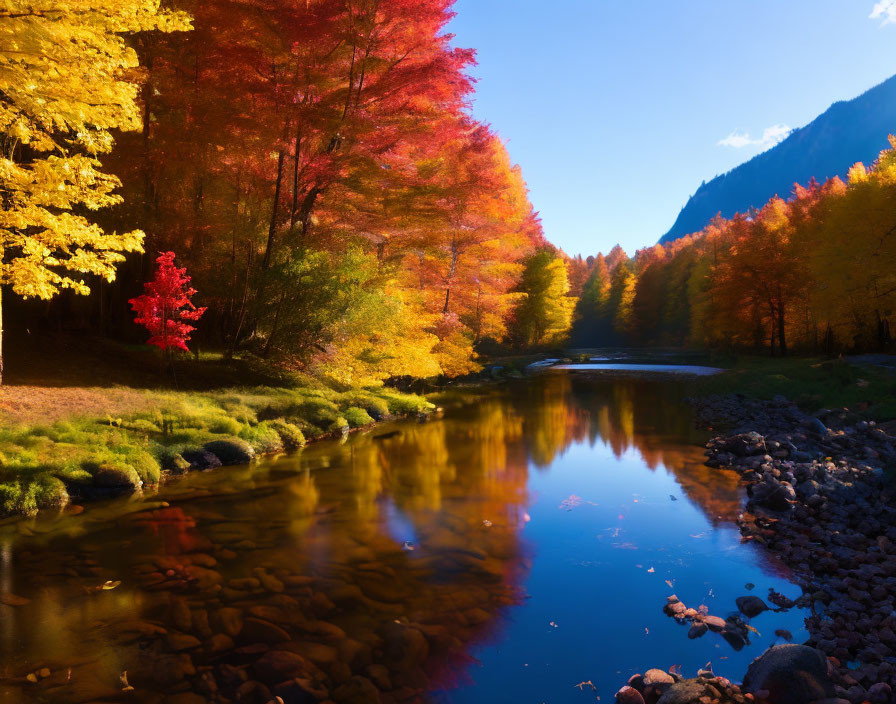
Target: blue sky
{"type": "Point", "coordinates": [618, 109]}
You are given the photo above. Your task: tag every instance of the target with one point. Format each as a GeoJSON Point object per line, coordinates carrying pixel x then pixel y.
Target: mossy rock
{"type": "Point", "coordinates": [291, 435]}
{"type": "Point", "coordinates": [200, 459]}
{"type": "Point", "coordinates": [116, 475]}
{"type": "Point", "coordinates": [264, 439]}
{"type": "Point", "coordinates": [232, 451]}
{"type": "Point", "coordinates": [357, 417]}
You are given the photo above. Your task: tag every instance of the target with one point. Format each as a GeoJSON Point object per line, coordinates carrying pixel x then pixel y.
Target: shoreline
{"type": "Point", "coordinates": [818, 497]}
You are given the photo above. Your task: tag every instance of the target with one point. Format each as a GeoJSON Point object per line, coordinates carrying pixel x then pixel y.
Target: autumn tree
{"type": "Point", "coordinates": [166, 308]}
{"type": "Point", "coordinates": [544, 316]}
{"type": "Point", "coordinates": [67, 80]}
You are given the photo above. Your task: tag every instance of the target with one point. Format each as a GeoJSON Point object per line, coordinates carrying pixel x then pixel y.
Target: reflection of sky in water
{"type": "Point", "coordinates": [398, 525]}
{"type": "Point", "coordinates": [591, 579]}
{"type": "Point", "coordinates": [559, 488]}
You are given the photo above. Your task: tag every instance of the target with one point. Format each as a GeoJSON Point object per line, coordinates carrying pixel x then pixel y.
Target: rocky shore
{"type": "Point", "coordinates": [821, 496]}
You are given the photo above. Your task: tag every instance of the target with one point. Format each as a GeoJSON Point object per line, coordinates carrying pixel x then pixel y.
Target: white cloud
{"type": "Point", "coordinates": [769, 138]}
{"type": "Point", "coordinates": [884, 10]}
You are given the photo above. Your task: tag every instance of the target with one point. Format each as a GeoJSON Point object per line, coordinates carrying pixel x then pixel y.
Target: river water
{"type": "Point", "coordinates": [518, 549]}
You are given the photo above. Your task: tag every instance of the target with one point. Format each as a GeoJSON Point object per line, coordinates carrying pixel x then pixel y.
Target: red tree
{"type": "Point", "coordinates": [166, 305]}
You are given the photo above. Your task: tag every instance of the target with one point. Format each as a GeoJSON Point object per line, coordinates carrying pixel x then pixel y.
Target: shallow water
{"type": "Point", "coordinates": [689, 369]}
{"type": "Point", "coordinates": [519, 546]}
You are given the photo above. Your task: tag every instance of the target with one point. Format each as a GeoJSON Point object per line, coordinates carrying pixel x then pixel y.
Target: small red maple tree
{"type": "Point", "coordinates": [166, 305]}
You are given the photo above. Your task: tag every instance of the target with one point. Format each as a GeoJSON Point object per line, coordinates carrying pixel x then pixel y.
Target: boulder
{"type": "Point", "coordinates": [791, 674]}
{"type": "Point", "coordinates": [230, 452]}
{"type": "Point", "coordinates": [750, 606]}
{"type": "Point", "coordinates": [684, 693]}
{"type": "Point", "coordinates": [200, 459]}
{"type": "Point", "coordinates": [629, 695]}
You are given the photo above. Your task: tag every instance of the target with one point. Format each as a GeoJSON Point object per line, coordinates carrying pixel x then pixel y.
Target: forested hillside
{"type": "Point", "coordinates": [849, 131]}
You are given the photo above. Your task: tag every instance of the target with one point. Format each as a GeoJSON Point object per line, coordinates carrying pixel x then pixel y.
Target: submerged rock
{"type": "Point", "coordinates": [790, 674]}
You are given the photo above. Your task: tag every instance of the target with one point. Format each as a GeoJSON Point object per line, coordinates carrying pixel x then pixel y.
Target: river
{"type": "Point", "coordinates": [518, 549]}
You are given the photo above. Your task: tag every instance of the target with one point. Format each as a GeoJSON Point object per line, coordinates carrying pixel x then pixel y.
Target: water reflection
{"type": "Point", "coordinates": [374, 570]}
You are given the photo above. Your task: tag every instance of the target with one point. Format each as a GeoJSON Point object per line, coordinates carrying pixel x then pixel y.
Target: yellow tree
{"type": "Point", "coordinates": [66, 80]}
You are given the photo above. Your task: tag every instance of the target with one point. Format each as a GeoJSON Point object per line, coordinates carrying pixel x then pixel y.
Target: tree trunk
{"type": "Point", "coordinates": [782, 339]}
{"type": "Point", "coordinates": [1, 335]}
{"type": "Point", "coordinates": [272, 229]}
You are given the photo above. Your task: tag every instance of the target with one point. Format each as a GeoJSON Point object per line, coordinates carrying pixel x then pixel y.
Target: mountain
{"type": "Point", "coordinates": [849, 131]}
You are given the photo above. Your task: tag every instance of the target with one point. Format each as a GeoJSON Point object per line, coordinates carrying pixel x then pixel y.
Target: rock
{"type": "Point", "coordinates": [658, 678]}
{"type": "Point", "coordinates": [791, 674]}
{"type": "Point", "coordinates": [228, 620]}
{"type": "Point", "coordinates": [751, 606]}
{"type": "Point", "coordinates": [817, 427]}
{"type": "Point", "coordinates": [879, 693]}
{"type": "Point", "coordinates": [358, 690]}
{"type": "Point", "coordinates": [629, 695]}
{"type": "Point", "coordinates": [256, 630]}
{"type": "Point", "coordinates": [697, 630]}
{"type": "Point", "coordinates": [684, 693]}
{"type": "Point", "coordinates": [178, 642]}
{"type": "Point", "coordinates": [275, 666]}
{"type": "Point", "coordinates": [784, 634]}
{"type": "Point", "coordinates": [231, 452]}
{"type": "Point", "coordinates": [715, 623]}
{"type": "Point", "coordinates": [200, 459]}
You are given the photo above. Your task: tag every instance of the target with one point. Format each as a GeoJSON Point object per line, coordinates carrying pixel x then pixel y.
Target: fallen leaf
{"type": "Point", "coordinates": [651, 570]}
{"type": "Point", "coordinates": [111, 584]}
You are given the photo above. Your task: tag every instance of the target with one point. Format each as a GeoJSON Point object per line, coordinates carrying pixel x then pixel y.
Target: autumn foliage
{"type": "Point", "coordinates": [811, 273]}
{"type": "Point", "coordinates": [166, 310]}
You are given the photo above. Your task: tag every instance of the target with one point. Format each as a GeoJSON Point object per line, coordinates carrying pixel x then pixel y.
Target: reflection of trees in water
{"type": "Point", "coordinates": [626, 414]}
{"type": "Point", "coordinates": [377, 563]}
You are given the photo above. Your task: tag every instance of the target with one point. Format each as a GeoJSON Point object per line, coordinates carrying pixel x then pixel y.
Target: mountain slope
{"type": "Point", "coordinates": [849, 131]}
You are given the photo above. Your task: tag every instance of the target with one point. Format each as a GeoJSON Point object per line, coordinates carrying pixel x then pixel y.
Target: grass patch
{"type": "Point", "coordinates": [41, 465]}
{"type": "Point", "coordinates": [812, 383]}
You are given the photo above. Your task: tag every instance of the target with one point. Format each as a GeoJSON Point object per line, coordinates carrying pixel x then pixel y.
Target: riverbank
{"type": "Point", "coordinates": [62, 444]}
{"type": "Point", "coordinates": [821, 496]}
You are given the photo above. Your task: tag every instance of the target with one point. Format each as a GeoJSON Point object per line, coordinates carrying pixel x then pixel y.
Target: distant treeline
{"type": "Point", "coordinates": [814, 273]}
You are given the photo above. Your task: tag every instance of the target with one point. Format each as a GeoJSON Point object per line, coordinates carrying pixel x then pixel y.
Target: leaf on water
{"type": "Point", "coordinates": [13, 600]}
{"type": "Point", "coordinates": [571, 502]}
{"type": "Point", "coordinates": [751, 628]}
{"type": "Point", "coordinates": [675, 670]}
{"type": "Point", "coordinates": [651, 570]}
{"type": "Point", "coordinates": [749, 586]}
{"type": "Point", "coordinates": [581, 685]}
{"type": "Point", "coordinates": [669, 582]}
{"type": "Point", "coordinates": [408, 546]}
{"type": "Point", "coordinates": [487, 523]}
{"type": "Point", "coordinates": [646, 631]}
{"type": "Point", "coordinates": [553, 624]}
{"type": "Point", "coordinates": [111, 584]}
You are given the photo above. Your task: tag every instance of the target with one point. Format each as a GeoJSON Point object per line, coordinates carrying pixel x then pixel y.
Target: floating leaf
{"type": "Point", "coordinates": [111, 584]}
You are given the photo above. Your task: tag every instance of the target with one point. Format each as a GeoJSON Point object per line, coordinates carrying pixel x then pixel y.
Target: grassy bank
{"type": "Point", "coordinates": [867, 390]}
{"type": "Point", "coordinates": [59, 443]}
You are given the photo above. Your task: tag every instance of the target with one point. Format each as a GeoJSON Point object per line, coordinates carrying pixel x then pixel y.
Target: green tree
{"type": "Point", "coordinates": [544, 316]}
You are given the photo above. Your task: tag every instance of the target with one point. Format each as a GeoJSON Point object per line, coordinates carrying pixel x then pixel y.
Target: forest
{"type": "Point", "coordinates": [812, 274]}
{"type": "Point", "coordinates": [313, 167]}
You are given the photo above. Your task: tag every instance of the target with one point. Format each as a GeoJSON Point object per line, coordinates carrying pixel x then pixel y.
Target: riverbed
{"type": "Point", "coordinates": [518, 549]}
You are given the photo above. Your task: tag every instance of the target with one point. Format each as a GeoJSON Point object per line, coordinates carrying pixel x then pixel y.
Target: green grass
{"type": "Point", "coordinates": [812, 383]}
{"type": "Point", "coordinates": [43, 466]}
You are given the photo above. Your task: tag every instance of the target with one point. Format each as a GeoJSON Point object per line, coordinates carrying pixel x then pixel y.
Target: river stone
{"type": "Point", "coordinates": [751, 606]}
{"type": "Point", "coordinates": [256, 630]}
{"type": "Point", "coordinates": [278, 665]}
{"type": "Point", "coordinates": [230, 452]}
{"type": "Point", "coordinates": [629, 695]}
{"type": "Point", "coordinates": [200, 459]}
{"type": "Point", "coordinates": [229, 620]}
{"type": "Point", "coordinates": [715, 623]}
{"type": "Point", "coordinates": [358, 690]}
{"type": "Point", "coordinates": [697, 630]}
{"type": "Point", "coordinates": [657, 678]}
{"type": "Point", "coordinates": [791, 674]}
{"type": "Point", "coordinates": [684, 693]}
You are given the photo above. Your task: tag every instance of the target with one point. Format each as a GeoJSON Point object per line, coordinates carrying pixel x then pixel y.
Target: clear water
{"type": "Point", "coordinates": [519, 546]}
